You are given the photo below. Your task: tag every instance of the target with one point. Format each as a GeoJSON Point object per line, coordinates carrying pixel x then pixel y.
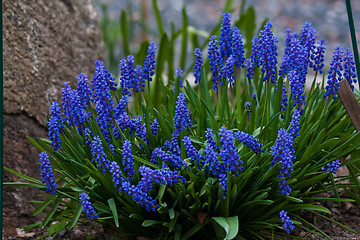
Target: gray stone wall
{"type": "Point", "coordinates": [45, 43]}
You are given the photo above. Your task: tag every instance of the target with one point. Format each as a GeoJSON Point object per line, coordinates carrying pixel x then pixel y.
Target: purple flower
{"type": "Point", "coordinates": [247, 107]}
{"type": "Point", "coordinates": [149, 64]}
{"type": "Point", "coordinates": [154, 127]}
{"type": "Point", "coordinates": [228, 72]}
{"type": "Point", "coordinates": [103, 119]}
{"type": "Point", "coordinates": [173, 159]}
{"type": "Point", "coordinates": [192, 152]}
{"type": "Point", "coordinates": [128, 159]}
{"type": "Point", "coordinates": [73, 108]}
{"type": "Point", "coordinates": [46, 173]}
{"type": "Point", "coordinates": [349, 68]}
{"type": "Point", "coordinates": [294, 124]}
{"type": "Point", "coordinates": [179, 73]}
{"type": "Point", "coordinates": [128, 78]}
{"type": "Point", "coordinates": [120, 108]}
{"type": "Point", "coordinates": [83, 90]}
{"type": "Point", "coordinates": [173, 145]}
{"type": "Point", "coordinates": [101, 84]}
{"type": "Point", "coordinates": [267, 53]}
{"type": "Point", "coordinates": [228, 151]}
{"type": "Point", "coordinates": [117, 176]}
{"type": "Point", "coordinates": [283, 152]}
{"type": "Point", "coordinates": [249, 141]}
{"type": "Point", "coordinates": [98, 154]}
{"type": "Point", "coordinates": [209, 138]}
{"type": "Point", "coordinates": [215, 62]}
{"type": "Point", "coordinates": [317, 56]}
{"type": "Point", "coordinates": [87, 206]}
{"type": "Point", "coordinates": [238, 48]}
{"type": "Point", "coordinates": [249, 69]}
{"type": "Point", "coordinates": [335, 75]}
{"type": "Point", "coordinates": [182, 114]}
{"type": "Point", "coordinates": [211, 162]}
{"type": "Point", "coordinates": [297, 86]}
{"type": "Point", "coordinates": [87, 136]}
{"type": "Point", "coordinates": [225, 36]}
{"type": "Point", "coordinates": [332, 167]}
{"type": "Point", "coordinates": [287, 223]}
{"type": "Point", "coordinates": [283, 100]}
{"type": "Point", "coordinates": [55, 126]}
{"type": "Point", "coordinates": [198, 64]}
{"type": "Point", "coordinates": [307, 37]}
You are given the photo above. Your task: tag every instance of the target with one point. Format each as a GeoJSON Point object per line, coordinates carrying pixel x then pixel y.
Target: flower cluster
{"type": "Point", "coordinates": [216, 62]}
{"type": "Point", "coordinates": [87, 206]}
{"type": "Point", "coordinates": [46, 173]}
{"type": "Point", "coordinates": [179, 74]}
{"type": "Point", "coordinates": [149, 64]}
{"type": "Point", "coordinates": [225, 36]}
{"type": "Point", "coordinates": [283, 152]}
{"type": "Point", "coordinates": [349, 68]}
{"type": "Point", "coordinates": [98, 154]}
{"type": "Point", "coordinates": [249, 141]}
{"type": "Point", "coordinates": [335, 74]}
{"type": "Point", "coordinates": [128, 159]}
{"type": "Point", "coordinates": [182, 114]}
{"type": "Point", "coordinates": [55, 126]}
{"type": "Point", "coordinates": [198, 64]}
{"type": "Point", "coordinates": [332, 167]}
{"type": "Point", "coordinates": [238, 48]}
{"type": "Point", "coordinates": [287, 223]}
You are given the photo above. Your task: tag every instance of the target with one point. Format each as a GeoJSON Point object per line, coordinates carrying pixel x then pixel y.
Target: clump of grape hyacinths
{"type": "Point", "coordinates": [161, 158]}
{"type": "Point", "coordinates": [46, 173]}
{"type": "Point", "coordinates": [87, 206]}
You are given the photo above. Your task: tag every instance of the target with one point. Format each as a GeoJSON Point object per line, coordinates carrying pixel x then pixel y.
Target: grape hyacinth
{"type": "Point", "coordinates": [117, 176]}
{"type": "Point", "coordinates": [216, 61]}
{"type": "Point", "coordinates": [182, 115]}
{"type": "Point", "coordinates": [73, 108]}
{"type": "Point", "coordinates": [238, 48]}
{"type": "Point", "coordinates": [154, 127]}
{"type": "Point", "coordinates": [283, 100]}
{"type": "Point", "coordinates": [225, 36]}
{"type": "Point", "coordinates": [247, 107]}
{"type": "Point", "coordinates": [198, 64]}
{"type": "Point", "coordinates": [120, 108]}
{"type": "Point", "coordinates": [174, 160]}
{"type": "Point", "coordinates": [46, 173]}
{"type": "Point", "coordinates": [332, 167]}
{"type": "Point", "coordinates": [192, 152]}
{"type": "Point", "coordinates": [287, 223]}
{"type": "Point", "coordinates": [128, 79]}
{"type": "Point", "coordinates": [98, 154]}
{"type": "Point", "coordinates": [267, 53]}
{"type": "Point", "coordinates": [128, 159]}
{"type": "Point", "coordinates": [349, 68]}
{"type": "Point", "coordinates": [294, 124]}
{"type": "Point", "coordinates": [249, 141]}
{"type": "Point", "coordinates": [83, 90]}
{"type": "Point", "coordinates": [103, 119]}
{"type": "Point", "coordinates": [317, 57]}
{"type": "Point", "coordinates": [228, 151]}
{"type": "Point", "coordinates": [307, 37]}
{"type": "Point", "coordinates": [87, 133]}
{"type": "Point", "coordinates": [228, 72]}
{"type": "Point", "coordinates": [249, 69]}
{"type": "Point", "coordinates": [335, 75]}
{"type": "Point", "coordinates": [179, 73]}
{"type": "Point", "coordinates": [209, 138]}
{"type": "Point", "coordinates": [149, 64]}
{"type": "Point", "coordinates": [87, 206]}
{"type": "Point", "coordinates": [101, 85]}
{"type": "Point", "coordinates": [55, 126]}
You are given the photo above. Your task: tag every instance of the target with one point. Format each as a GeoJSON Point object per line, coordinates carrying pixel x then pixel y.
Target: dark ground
{"type": "Point", "coordinates": [346, 213]}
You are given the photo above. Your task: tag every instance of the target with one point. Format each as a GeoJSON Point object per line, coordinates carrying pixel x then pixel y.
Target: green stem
{"type": "Point", "coordinates": [353, 38]}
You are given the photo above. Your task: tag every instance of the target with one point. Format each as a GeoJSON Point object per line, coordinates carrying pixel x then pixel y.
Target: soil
{"type": "Point", "coordinates": [346, 213]}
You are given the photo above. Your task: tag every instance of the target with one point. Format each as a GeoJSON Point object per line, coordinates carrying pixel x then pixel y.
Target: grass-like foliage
{"type": "Point", "coordinates": [236, 152]}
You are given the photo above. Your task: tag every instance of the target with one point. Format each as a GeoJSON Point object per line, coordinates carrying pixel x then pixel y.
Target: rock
{"type": "Point", "coordinates": [45, 43]}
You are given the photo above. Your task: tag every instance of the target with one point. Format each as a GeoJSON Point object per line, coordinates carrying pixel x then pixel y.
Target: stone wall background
{"type": "Point", "coordinates": [45, 43]}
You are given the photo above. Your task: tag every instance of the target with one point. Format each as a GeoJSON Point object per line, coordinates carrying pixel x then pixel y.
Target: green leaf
{"type": "Point", "coordinates": [22, 175]}
{"type": "Point", "coordinates": [124, 32]}
{"type": "Point", "coordinates": [76, 215]}
{"type": "Point", "coordinates": [113, 209]}
{"type": "Point", "coordinates": [149, 223]}
{"type": "Point", "coordinates": [230, 225]}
